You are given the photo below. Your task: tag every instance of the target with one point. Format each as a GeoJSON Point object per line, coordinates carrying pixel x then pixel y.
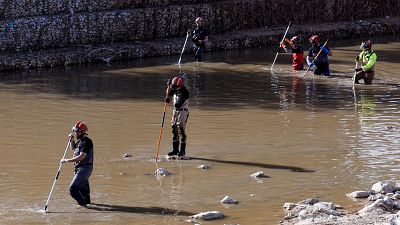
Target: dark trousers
{"type": "Point", "coordinates": [322, 68]}
{"type": "Point", "coordinates": [79, 188]}
{"type": "Point", "coordinates": [367, 76]}
{"type": "Point", "coordinates": [198, 51]}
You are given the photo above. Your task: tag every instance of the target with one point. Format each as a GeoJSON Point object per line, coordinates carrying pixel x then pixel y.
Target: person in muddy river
{"type": "Point", "coordinates": [83, 160]}
{"type": "Point", "coordinates": [367, 57]}
{"type": "Point", "coordinates": [320, 63]}
{"type": "Point", "coordinates": [297, 50]}
{"type": "Point", "coordinates": [180, 115]}
{"type": "Point", "coordinates": [199, 38]}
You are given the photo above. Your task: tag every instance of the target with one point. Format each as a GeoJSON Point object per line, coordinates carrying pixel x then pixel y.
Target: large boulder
{"type": "Point", "coordinates": [212, 215]}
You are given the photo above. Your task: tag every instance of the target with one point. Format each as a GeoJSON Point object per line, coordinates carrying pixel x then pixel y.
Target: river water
{"type": "Point", "coordinates": [312, 137]}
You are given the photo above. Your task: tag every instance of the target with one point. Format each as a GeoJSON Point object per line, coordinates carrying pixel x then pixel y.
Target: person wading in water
{"type": "Point", "coordinates": [320, 63]}
{"type": "Point", "coordinates": [199, 38]}
{"type": "Point", "coordinates": [367, 57]}
{"type": "Point", "coordinates": [297, 50]}
{"type": "Point", "coordinates": [180, 114]}
{"type": "Point", "coordinates": [83, 160]}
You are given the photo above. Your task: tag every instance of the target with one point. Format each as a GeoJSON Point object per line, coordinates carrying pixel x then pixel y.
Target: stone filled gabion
{"type": "Point", "coordinates": [59, 23]}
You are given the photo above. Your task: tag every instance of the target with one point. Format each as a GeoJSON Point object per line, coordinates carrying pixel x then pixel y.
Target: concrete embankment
{"type": "Point", "coordinates": [59, 32]}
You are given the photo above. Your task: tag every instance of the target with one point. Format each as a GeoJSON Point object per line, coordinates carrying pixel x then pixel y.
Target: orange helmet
{"type": "Point", "coordinates": [177, 82]}
{"type": "Point", "coordinates": [80, 126]}
{"type": "Point", "coordinates": [314, 39]}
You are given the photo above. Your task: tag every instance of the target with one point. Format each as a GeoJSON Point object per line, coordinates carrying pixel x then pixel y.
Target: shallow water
{"type": "Point", "coordinates": [315, 136]}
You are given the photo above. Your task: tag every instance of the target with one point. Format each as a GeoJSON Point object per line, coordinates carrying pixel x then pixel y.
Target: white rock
{"type": "Point", "coordinates": [161, 172]}
{"type": "Point", "coordinates": [212, 215]}
{"type": "Point", "coordinates": [126, 155]}
{"type": "Point", "coordinates": [383, 187]}
{"type": "Point", "coordinates": [229, 200]}
{"type": "Point", "coordinates": [375, 197]}
{"type": "Point", "coordinates": [396, 196]}
{"type": "Point", "coordinates": [204, 167]}
{"type": "Point", "coordinates": [288, 206]}
{"type": "Point", "coordinates": [258, 174]}
{"type": "Point", "coordinates": [310, 201]}
{"type": "Point", "coordinates": [358, 194]}
{"type": "Point", "coordinates": [376, 206]}
{"type": "Point", "coordinates": [388, 202]}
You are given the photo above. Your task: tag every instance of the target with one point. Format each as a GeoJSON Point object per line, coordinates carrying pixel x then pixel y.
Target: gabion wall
{"type": "Point", "coordinates": [51, 24]}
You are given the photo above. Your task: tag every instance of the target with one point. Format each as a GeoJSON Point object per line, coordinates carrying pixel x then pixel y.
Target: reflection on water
{"type": "Point", "coordinates": [317, 136]}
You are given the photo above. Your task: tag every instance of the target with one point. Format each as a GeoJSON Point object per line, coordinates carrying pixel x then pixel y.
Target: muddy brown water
{"type": "Point", "coordinates": [316, 136]}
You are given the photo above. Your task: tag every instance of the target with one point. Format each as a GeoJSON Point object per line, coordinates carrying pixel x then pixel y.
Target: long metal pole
{"type": "Point", "coordinates": [277, 52]}
{"type": "Point", "coordinates": [183, 49]}
{"type": "Point", "coordinates": [162, 123]}
{"type": "Point", "coordinates": [355, 73]}
{"type": "Point", "coordinates": [57, 174]}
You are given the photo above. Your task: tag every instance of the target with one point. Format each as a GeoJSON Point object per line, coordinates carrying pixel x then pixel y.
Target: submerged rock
{"type": "Point", "coordinates": [204, 167]}
{"type": "Point", "coordinates": [211, 215]}
{"type": "Point", "coordinates": [162, 172]}
{"type": "Point", "coordinates": [229, 200]}
{"type": "Point", "coordinates": [358, 194]}
{"type": "Point", "coordinates": [258, 174]}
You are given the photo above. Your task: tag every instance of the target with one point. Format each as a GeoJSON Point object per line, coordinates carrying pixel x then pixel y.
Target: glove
{"type": "Point", "coordinates": [325, 50]}
{"type": "Point", "coordinates": [357, 58]}
{"type": "Point", "coordinates": [167, 100]}
{"type": "Point", "coordinates": [358, 69]}
{"type": "Point", "coordinates": [282, 45]}
{"type": "Point", "coordinates": [311, 64]}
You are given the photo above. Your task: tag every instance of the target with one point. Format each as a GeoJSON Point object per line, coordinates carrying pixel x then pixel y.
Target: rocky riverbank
{"type": "Point", "coordinates": [383, 208]}
{"type": "Point", "coordinates": [106, 53]}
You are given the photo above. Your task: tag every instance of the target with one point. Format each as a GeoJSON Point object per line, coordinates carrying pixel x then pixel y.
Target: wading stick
{"type": "Point", "coordinates": [183, 49]}
{"type": "Point", "coordinates": [57, 174]}
{"type": "Point", "coordinates": [162, 122]}
{"type": "Point", "coordinates": [355, 73]}
{"type": "Point", "coordinates": [314, 58]}
{"type": "Point", "coordinates": [277, 52]}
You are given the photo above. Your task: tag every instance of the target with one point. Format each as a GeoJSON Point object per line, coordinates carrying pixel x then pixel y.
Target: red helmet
{"type": "Point", "coordinates": [80, 126]}
{"type": "Point", "coordinates": [294, 39]}
{"type": "Point", "coordinates": [314, 39]}
{"type": "Point", "coordinates": [366, 45]}
{"type": "Point", "coordinates": [177, 82]}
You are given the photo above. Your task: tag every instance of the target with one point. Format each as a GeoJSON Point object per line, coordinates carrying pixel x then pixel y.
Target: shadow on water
{"type": "Point", "coordinates": [262, 165]}
{"type": "Point", "coordinates": [136, 209]}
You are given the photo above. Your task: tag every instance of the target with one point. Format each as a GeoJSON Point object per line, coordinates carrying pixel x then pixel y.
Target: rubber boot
{"type": "Point", "coordinates": [182, 151]}
{"type": "Point", "coordinates": [175, 149]}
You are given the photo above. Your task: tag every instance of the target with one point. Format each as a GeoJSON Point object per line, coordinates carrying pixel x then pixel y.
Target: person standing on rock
{"type": "Point", "coordinates": [199, 38]}
{"type": "Point", "coordinates": [320, 63]}
{"type": "Point", "coordinates": [367, 57]}
{"type": "Point", "coordinates": [297, 52]}
{"type": "Point", "coordinates": [180, 114]}
{"type": "Point", "coordinates": [83, 160]}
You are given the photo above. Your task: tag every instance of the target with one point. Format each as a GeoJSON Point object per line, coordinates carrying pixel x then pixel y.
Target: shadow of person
{"type": "Point", "coordinates": [262, 165]}
{"type": "Point", "coordinates": [136, 209]}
